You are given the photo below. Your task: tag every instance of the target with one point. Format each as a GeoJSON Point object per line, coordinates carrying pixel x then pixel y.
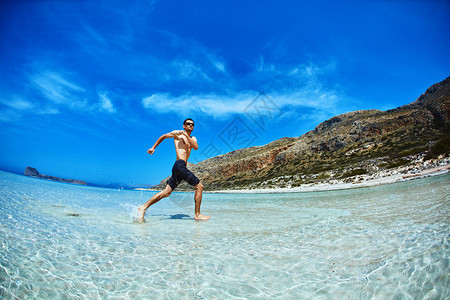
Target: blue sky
{"type": "Point", "coordinates": [86, 87]}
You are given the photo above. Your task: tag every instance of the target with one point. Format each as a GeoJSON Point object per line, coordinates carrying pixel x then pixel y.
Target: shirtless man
{"type": "Point", "coordinates": [184, 143]}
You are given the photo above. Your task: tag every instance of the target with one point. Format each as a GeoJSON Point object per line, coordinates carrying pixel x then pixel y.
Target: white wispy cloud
{"type": "Point", "coordinates": [213, 105]}
{"type": "Point", "coordinates": [47, 111]}
{"type": "Point", "coordinates": [223, 106]}
{"type": "Point", "coordinates": [187, 69]}
{"type": "Point", "coordinates": [61, 90]}
{"type": "Point", "coordinates": [17, 103]}
{"type": "Point", "coordinates": [57, 88]}
{"type": "Point", "coordinates": [219, 64]}
{"type": "Point", "coordinates": [290, 88]}
{"type": "Point", "coordinates": [58, 91]}
{"type": "Point", "coordinates": [14, 107]}
{"type": "Point", "coordinates": [105, 103]}
{"type": "Point", "coordinates": [132, 51]}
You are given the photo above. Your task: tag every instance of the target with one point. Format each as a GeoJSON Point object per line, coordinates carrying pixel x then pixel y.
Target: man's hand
{"type": "Point", "coordinates": [191, 140]}
{"type": "Point", "coordinates": [151, 151]}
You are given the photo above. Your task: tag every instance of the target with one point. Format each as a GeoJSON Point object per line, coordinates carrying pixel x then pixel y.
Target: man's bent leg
{"type": "Point", "coordinates": [198, 202]}
{"type": "Point", "coordinates": [161, 195]}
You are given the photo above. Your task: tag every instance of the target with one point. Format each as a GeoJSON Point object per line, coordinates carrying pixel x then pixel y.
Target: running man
{"type": "Point", "coordinates": [184, 143]}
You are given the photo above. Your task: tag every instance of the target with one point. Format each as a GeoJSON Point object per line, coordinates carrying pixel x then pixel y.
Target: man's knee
{"type": "Point", "coordinates": [165, 194]}
{"type": "Point", "coordinates": [199, 186]}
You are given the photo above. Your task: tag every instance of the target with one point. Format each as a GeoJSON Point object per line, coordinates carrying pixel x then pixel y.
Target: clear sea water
{"type": "Point", "coordinates": [61, 241]}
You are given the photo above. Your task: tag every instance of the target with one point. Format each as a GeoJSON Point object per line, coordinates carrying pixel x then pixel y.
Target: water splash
{"type": "Point", "coordinates": [132, 211]}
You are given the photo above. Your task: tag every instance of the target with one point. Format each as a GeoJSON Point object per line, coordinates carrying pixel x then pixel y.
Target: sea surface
{"type": "Point", "coordinates": [62, 241]}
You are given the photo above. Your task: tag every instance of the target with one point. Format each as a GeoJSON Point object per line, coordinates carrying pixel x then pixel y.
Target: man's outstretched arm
{"type": "Point", "coordinates": [159, 141]}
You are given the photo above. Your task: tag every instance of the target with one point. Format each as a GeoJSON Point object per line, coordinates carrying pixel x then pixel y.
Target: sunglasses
{"type": "Point", "coordinates": [188, 123]}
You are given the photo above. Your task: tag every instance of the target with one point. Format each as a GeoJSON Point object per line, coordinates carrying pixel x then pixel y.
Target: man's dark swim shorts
{"type": "Point", "coordinates": [179, 173]}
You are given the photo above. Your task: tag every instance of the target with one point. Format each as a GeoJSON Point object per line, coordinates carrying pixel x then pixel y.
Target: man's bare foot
{"type": "Point", "coordinates": [141, 214]}
{"type": "Point", "coordinates": [201, 217]}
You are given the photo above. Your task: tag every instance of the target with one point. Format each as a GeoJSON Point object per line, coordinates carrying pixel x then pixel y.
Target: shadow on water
{"type": "Point", "coordinates": [73, 214]}
{"type": "Point", "coordinates": [179, 217]}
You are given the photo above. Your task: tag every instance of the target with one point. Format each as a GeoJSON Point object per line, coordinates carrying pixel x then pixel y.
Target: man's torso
{"type": "Point", "coordinates": [182, 148]}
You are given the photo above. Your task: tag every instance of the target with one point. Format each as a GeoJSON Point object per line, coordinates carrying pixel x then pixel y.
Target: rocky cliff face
{"type": "Point", "coordinates": [32, 172]}
{"type": "Point", "coordinates": [351, 144]}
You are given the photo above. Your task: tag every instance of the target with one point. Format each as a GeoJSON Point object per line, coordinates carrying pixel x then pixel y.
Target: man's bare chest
{"type": "Point", "coordinates": [182, 143]}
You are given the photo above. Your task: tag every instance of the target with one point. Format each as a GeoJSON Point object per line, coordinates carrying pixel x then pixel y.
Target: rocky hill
{"type": "Point", "coordinates": [32, 172]}
{"type": "Point", "coordinates": [342, 148]}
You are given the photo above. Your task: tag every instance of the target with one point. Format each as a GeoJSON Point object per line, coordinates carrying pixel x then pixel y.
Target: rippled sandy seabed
{"type": "Point", "coordinates": [74, 242]}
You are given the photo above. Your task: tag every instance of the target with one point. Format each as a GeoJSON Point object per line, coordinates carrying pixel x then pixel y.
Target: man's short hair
{"type": "Point", "coordinates": [188, 119]}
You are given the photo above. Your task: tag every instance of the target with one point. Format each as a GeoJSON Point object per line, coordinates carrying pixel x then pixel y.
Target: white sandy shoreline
{"type": "Point", "coordinates": [368, 181]}
{"type": "Point", "coordinates": [420, 169]}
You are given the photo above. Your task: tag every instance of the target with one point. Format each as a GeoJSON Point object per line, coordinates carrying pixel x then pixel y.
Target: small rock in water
{"type": "Point", "coordinates": [73, 214]}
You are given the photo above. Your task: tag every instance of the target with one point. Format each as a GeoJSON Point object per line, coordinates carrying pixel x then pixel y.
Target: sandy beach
{"type": "Point", "coordinates": [420, 170]}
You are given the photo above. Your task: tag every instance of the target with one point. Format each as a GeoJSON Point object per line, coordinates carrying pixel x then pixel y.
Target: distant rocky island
{"type": "Point", "coordinates": [348, 148]}
{"type": "Point", "coordinates": [32, 172]}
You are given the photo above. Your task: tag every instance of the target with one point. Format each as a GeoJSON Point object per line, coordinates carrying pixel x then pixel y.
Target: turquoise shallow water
{"type": "Point", "coordinates": [61, 241]}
